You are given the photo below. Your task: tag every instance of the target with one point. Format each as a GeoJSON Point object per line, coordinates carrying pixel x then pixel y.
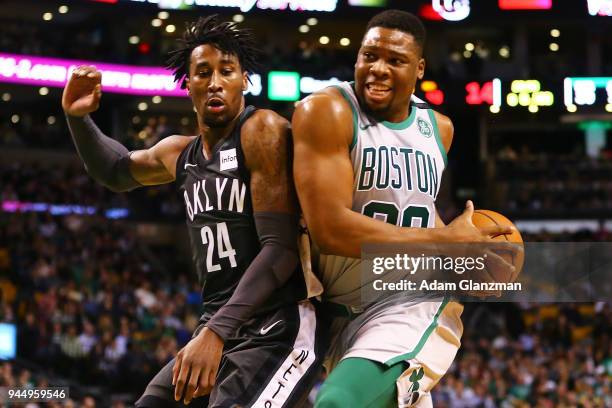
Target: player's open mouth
{"type": "Point", "coordinates": [377, 92]}
{"type": "Point", "coordinates": [215, 104]}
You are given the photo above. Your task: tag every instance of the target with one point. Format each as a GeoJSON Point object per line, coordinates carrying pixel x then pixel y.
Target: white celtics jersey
{"type": "Point", "coordinates": [397, 173]}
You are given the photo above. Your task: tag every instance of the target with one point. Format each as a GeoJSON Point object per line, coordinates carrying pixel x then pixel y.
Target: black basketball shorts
{"type": "Point", "coordinates": [273, 362]}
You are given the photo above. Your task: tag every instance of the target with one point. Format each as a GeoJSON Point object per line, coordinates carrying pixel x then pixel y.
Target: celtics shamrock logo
{"type": "Point", "coordinates": [424, 127]}
{"type": "Point", "coordinates": [412, 396]}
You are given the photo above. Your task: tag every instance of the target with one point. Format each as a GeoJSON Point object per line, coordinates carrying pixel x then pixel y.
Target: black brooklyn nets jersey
{"type": "Point", "coordinates": [219, 211]}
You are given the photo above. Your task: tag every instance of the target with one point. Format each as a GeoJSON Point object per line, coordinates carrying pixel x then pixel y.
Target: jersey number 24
{"type": "Point", "coordinates": [223, 244]}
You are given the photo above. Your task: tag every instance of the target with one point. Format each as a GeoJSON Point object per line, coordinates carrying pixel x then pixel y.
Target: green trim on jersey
{"type": "Point", "coordinates": [412, 354]}
{"type": "Point", "coordinates": [404, 123]}
{"type": "Point", "coordinates": [354, 111]}
{"type": "Point", "coordinates": [434, 122]}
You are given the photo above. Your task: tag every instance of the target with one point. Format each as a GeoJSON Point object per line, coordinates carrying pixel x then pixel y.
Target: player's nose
{"type": "Point", "coordinates": [379, 68]}
{"type": "Point", "coordinates": [215, 82]}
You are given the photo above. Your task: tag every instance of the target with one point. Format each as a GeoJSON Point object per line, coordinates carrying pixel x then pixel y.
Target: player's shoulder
{"type": "Point", "coordinates": [323, 118]}
{"type": "Point", "coordinates": [263, 135]}
{"type": "Point", "coordinates": [446, 128]}
{"type": "Point", "coordinates": [263, 129]}
{"type": "Point", "coordinates": [442, 120]}
{"type": "Point", "coordinates": [325, 114]}
{"type": "Point", "coordinates": [329, 99]}
{"type": "Point", "coordinates": [266, 121]}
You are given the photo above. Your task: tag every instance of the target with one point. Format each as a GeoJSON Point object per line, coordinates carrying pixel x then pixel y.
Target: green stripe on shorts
{"type": "Point", "coordinates": [424, 337]}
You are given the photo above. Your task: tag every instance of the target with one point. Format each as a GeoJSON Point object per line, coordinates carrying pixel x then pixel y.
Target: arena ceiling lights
{"type": "Point", "coordinates": [247, 5]}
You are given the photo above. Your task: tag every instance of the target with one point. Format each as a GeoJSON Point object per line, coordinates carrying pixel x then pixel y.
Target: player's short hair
{"type": "Point", "coordinates": [400, 20]}
{"type": "Point", "coordinates": [223, 35]}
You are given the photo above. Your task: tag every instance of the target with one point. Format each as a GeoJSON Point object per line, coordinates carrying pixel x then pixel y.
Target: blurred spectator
{"type": "Point", "coordinates": [533, 368]}
{"type": "Point", "coordinates": [546, 185]}
{"type": "Point", "coordinates": [70, 344]}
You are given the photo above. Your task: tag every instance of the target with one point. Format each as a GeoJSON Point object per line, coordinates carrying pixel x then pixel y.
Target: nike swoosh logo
{"type": "Point", "coordinates": [188, 165]}
{"type": "Point", "coordinates": [265, 330]}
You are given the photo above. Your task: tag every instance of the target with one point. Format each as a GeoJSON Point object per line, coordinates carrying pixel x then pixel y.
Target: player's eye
{"type": "Point", "coordinates": [227, 71]}
{"type": "Point", "coordinates": [368, 56]}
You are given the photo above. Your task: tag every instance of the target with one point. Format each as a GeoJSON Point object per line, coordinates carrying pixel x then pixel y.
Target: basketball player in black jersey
{"type": "Point", "coordinates": [257, 344]}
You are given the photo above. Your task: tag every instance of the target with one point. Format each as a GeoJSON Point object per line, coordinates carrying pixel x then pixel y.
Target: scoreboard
{"type": "Point", "coordinates": [581, 92]}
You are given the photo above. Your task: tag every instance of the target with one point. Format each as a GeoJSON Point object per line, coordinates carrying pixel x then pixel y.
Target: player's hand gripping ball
{"type": "Point", "coordinates": [486, 218]}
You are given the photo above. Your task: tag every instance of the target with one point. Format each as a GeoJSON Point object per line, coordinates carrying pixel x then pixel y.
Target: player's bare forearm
{"type": "Point", "coordinates": [346, 231]}
{"type": "Point", "coordinates": [334, 226]}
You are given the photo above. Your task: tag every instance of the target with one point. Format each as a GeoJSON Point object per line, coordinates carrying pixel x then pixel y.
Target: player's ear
{"type": "Point", "coordinates": [245, 81]}
{"type": "Point", "coordinates": [187, 85]}
{"type": "Point", "coordinates": [421, 68]}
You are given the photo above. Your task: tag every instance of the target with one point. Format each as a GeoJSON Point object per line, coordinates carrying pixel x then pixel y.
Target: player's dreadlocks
{"type": "Point", "coordinates": [225, 36]}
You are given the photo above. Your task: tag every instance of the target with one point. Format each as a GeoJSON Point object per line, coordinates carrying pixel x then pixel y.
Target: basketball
{"type": "Point", "coordinates": [485, 218]}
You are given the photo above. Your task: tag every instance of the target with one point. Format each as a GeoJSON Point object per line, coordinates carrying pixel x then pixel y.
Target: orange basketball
{"type": "Point", "coordinates": [484, 218]}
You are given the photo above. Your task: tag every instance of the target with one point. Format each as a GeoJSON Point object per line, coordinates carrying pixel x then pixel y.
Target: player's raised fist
{"type": "Point", "coordinates": [83, 91]}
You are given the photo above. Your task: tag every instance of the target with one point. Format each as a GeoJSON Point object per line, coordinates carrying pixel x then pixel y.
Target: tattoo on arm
{"type": "Point", "coordinates": [267, 148]}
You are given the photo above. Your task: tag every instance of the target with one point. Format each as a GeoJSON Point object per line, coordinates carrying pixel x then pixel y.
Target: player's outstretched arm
{"type": "Point", "coordinates": [322, 128]}
{"type": "Point", "coordinates": [105, 159]}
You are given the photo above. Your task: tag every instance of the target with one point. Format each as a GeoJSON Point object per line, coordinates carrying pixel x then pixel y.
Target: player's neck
{"type": "Point", "coordinates": [392, 117]}
{"type": "Point", "coordinates": [212, 135]}
{"type": "Point", "coordinates": [396, 116]}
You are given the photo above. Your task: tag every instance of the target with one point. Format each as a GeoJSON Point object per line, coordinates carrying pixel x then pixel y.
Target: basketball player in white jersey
{"type": "Point", "coordinates": [368, 161]}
